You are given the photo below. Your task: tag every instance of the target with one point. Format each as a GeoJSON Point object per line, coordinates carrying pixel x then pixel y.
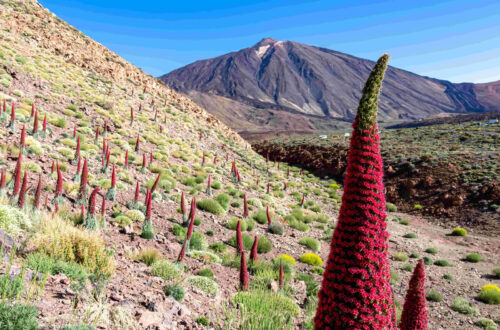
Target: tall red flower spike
{"type": "Point", "coordinates": [183, 204]}
{"type": "Point", "coordinates": [24, 187]}
{"type": "Point", "coordinates": [182, 252]}
{"type": "Point", "coordinates": [96, 134]}
{"type": "Point", "coordinates": [355, 292]}
{"type": "Point", "coordinates": [269, 220]}
{"type": "Point", "coordinates": [35, 123]}
{"type": "Point", "coordinates": [268, 188]}
{"type": "Point", "coordinates": [45, 123]}
{"type": "Point", "coordinates": [74, 131]}
{"type": "Point", "coordinates": [12, 116]}
{"type": "Point", "coordinates": [136, 198]}
{"type": "Point", "coordinates": [131, 115]}
{"type": "Point", "coordinates": [239, 239]}
{"type": "Point", "coordinates": [253, 252]}
{"type": "Point", "coordinates": [137, 146]}
{"type": "Point", "coordinates": [151, 158]}
{"type": "Point", "coordinates": [59, 183]}
{"type": "Point", "coordinates": [143, 162]}
{"type": "Point", "coordinates": [191, 223]}
{"type": "Point", "coordinates": [302, 202]}
{"type": "Point", "coordinates": [3, 179]}
{"type": "Point", "coordinates": [215, 160]}
{"type": "Point", "coordinates": [245, 206]}
{"type": "Point", "coordinates": [148, 208]}
{"type": "Point", "coordinates": [32, 110]}
{"type": "Point", "coordinates": [281, 282]}
{"type": "Point", "coordinates": [92, 198]}
{"type": "Point", "coordinates": [17, 175]}
{"type": "Point", "coordinates": [126, 159]}
{"type": "Point", "coordinates": [82, 193]}
{"type": "Point", "coordinates": [77, 152]}
{"type": "Point", "coordinates": [147, 197]}
{"type": "Point", "coordinates": [23, 136]}
{"type": "Point", "coordinates": [113, 177]}
{"type": "Point", "coordinates": [414, 316]}
{"type": "Point", "coordinates": [53, 167]}
{"type": "Point", "coordinates": [38, 193]}
{"type": "Point", "coordinates": [243, 273]}
{"type": "Point", "coordinates": [155, 185]}
{"type": "Point", "coordinates": [203, 159]}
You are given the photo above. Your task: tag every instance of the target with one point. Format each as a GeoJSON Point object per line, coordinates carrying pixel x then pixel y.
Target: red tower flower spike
{"type": "Point", "coordinates": [3, 179]}
{"type": "Point", "coordinates": [268, 188]}
{"type": "Point", "coordinates": [74, 131]}
{"type": "Point", "coordinates": [182, 252]}
{"type": "Point", "coordinates": [269, 220]}
{"type": "Point", "coordinates": [253, 252]}
{"type": "Point", "coordinates": [59, 183]}
{"type": "Point", "coordinates": [91, 221]}
{"type": "Point", "coordinates": [183, 208]}
{"type": "Point", "coordinates": [143, 168]}
{"type": "Point", "coordinates": [35, 123]}
{"type": "Point", "coordinates": [131, 116]}
{"type": "Point", "coordinates": [111, 194]}
{"type": "Point", "coordinates": [12, 124]}
{"type": "Point", "coordinates": [245, 206]}
{"type": "Point", "coordinates": [151, 158]}
{"type": "Point", "coordinates": [17, 175]}
{"type": "Point", "coordinates": [96, 135]}
{"type": "Point", "coordinates": [414, 316]}
{"type": "Point", "coordinates": [23, 137]}
{"type": "Point", "coordinates": [126, 159]}
{"type": "Point", "coordinates": [281, 282]}
{"type": "Point", "coordinates": [22, 193]}
{"type": "Point", "coordinates": [77, 151]}
{"type": "Point", "coordinates": [243, 273]}
{"type": "Point", "coordinates": [32, 110]}
{"type": "Point", "coordinates": [191, 222]}
{"type": "Point", "coordinates": [147, 227]}
{"type": "Point", "coordinates": [137, 143]}
{"type": "Point", "coordinates": [209, 186]}
{"type": "Point", "coordinates": [155, 185]}
{"type": "Point", "coordinates": [38, 193]}
{"type": "Point", "coordinates": [302, 202]}
{"type": "Point", "coordinates": [239, 239]}
{"type": "Point", "coordinates": [44, 126]}
{"type": "Point", "coordinates": [136, 198]}
{"type": "Point", "coordinates": [355, 292]}
{"type": "Point", "coordinates": [82, 192]}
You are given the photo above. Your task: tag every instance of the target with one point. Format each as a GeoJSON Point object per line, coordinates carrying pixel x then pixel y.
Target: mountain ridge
{"type": "Point", "coordinates": [279, 78]}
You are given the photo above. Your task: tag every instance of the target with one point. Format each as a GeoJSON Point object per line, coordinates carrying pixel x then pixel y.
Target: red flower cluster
{"type": "Point", "coordinates": [414, 314]}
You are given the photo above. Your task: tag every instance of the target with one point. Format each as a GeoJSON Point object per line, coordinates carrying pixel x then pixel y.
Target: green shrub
{"type": "Point", "coordinates": [17, 316]}
{"type": "Point", "coordinates": [233, 223]}
{"type": "Point", "coordinates": [404, 222]}
{"type": "Point", "coordinates": [311, 259]}
{"type": "Point", "coordinates": [135, 215]}
{"type": "Point", "coordinates": [216, 185]}
{"type": "Point", "coordinates": [41, 262]}
{"type": "Point", "coordinates": [250, 224]}
{"type": "Point", "coordinates": [210, 205]}
{"type": "Point", "coordinates": [427, 261]}
{"type": "Point", "coordinates": [263, 309]}
{"type": "Point", "coordinates": [300, 226]}
{"type": "Point", "coordinates": [198, 241]}
{"type": "Point", "coordinates": [407, 267]}
{"type": "Point", "coordinates": [78, 327]}
{"type": "Point", "coordinates": [174, 290]}
{"type": "Point", "coordinates": [310, 243]}
{"type": "Point", "coordinates": [434, 296]}
{"type": "Point", "coordinates": [165, 270]}
{"type": "Point", "coordinates": [391, 207]}
{"type": "Point", "coordinates": [247, 241]}
{"type": "Point", "coordinates": [431, 250]}
{"type": "Point", "coordinates": [442, 263]}
{"type": "Point", "coordinates": [179, 231]}
{"type": "Point", "coordinates": [496, 272]}
{"type": "Point", "coordinates": [491, 296]}
{"type": "Point", "coordinates": [486, 324]}
{"type": "Point", "coordinates": [264, 245]}
{"type": "Point", "coordinates": [317, 270]}
{"type": "Point", "coordinates": [400, 256]}
{"type": "Point", "coordinates": [276, 228]}
{"type": "Point", "coordinates": [410, 235]}
{"type": "Point", "coordinates": [459, 232]}
{"type": "Point", "coordinates": [207, 272]}
{"type": "Point", "coordinates": [463, 306]}
{"type": "Point", "coordinates": [261, 216]}
{"type": "Point", "coordinates": [447, 277]}
{"type": "Point", "coordinates": [223, 200]}
{"type": "Point", "coordinates": [394, 277]}
{"type": "Point", "coordinates": [204, 284]}
{"type": "Point", "coordinates": [205, 256]}
{"type": "Point", "coordinates": [414, 255]}
{"type": "Point", "coordinates": [218, 247]}
{"type": "Point", "coordinates": [473, 257]}
{"type": "Point", "coordinates": [202, 320]}
{"type": "Point", "coordinates": [122, 220]}
{"type": "Point", "coordinates": [149, 256]}
{"type": "Point", "coordinates": [417, 207]}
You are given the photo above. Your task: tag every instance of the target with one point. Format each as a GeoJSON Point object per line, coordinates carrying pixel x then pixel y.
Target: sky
{"type": "Point", "coordinates": [453, 40]}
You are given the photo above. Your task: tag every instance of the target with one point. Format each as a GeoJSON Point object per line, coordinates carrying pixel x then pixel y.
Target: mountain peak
{"type": "Point", "coordinates": [266, 42]}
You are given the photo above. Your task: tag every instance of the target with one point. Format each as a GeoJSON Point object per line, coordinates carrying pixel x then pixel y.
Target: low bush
{"type": "Point", "coordinates": [400, 256]}
{"type": "Point", "coordinates": [404, 222]}
{"type": "Point", "coordinates": [442, 263]}
{"type": "Point", "coordinates": [264, 245]}
{"type": "Point", "coordinates": [410, 235]}
{"type": "Point", "coordinates": [247, 241]}
{"type": "Point", "coordinates": [463, 306]}
{"type": "Point", "coordinates": [205, 256]}
{"type": "Point", "coordinates": [310, 243]}
{"type": "Point", "coordinates": [233, 223]}
{"type": "Point", "coordinates": [261, 216]}
{"type": "Point", "coordinates": [391, 207]}
{"type": "Point", "coordinates": [218, 247]}
{"type": "Point", "coordinates": [447, 277]}
{"type": "Point", "coordinates": [165, 270]}
{"type": "Point", "coordinates": [204, 284]}
{"type": "Point", "coordinates": [434, 296]}
{"type": "Point", "coordinates": [496, 272]}
{"type": "Point", "coordinates": [223, 200]}
{"type": "Point", "coordinates": [198, 241]}
{"type": "Point", "coordinates": [207, 272]}
{"type": "Point", "coordinates": [275, 228]}
{"type": "Point", "coordinates": [211, 206]}
{"type": "Point", "coordinates": [473, 257]}
{"type": "Point", "coordinates": [459, 232]}
{"type": "Point", "coordinates": [42, 263]}
{"type": "Point", "coordinates": [431, 250]}
{"type": "Point", "coordinates": [17, 316]}
{"type": "Point", "coordinates": [490, 294]}
{"type": "Point", "coordinates": [311, 259]}
{"type": "Point", "coordinates": [486, 324]}
{"type": "Point", "coordinates": [174, 290]}
{"type": "Point", "coordinates": [148, 256]}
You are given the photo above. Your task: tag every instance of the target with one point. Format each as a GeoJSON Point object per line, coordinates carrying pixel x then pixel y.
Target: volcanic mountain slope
{"type": "Point", "coordinates": [292, 86]}
{"type": "Point", "coordinates": [112, 277]}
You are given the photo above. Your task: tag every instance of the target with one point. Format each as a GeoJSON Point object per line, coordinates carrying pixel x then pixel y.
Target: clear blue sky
{"type": "Point", "coordinates": [454, 40]}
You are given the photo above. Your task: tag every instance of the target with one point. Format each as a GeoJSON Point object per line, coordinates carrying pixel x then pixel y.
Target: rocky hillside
{"type": "Point", "coordinates": [96, 159]}
{"type": "Point", "coordinates": [291, 86]}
